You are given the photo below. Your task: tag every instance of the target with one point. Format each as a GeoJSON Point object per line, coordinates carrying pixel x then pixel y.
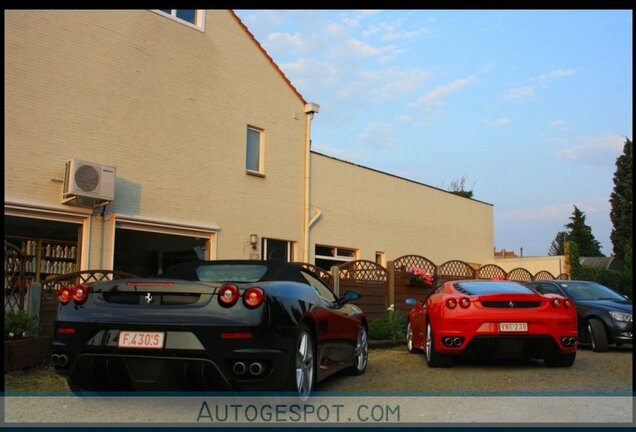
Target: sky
{"type": "Point", "coordinates": [529, 108]}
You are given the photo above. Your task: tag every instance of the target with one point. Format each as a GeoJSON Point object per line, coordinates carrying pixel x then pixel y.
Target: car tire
{"type": "Point", "coordinates": [560, 360]}
{"type": "Point", "coordinates": [409, 340]}
{"type": "Point", "coordinates": [302, 374]}
{"type": "Point", "coordinates": [598, 335]}
{"type": "Point", "coordinates": [360, 352]}
{"type": "Point", "coordinates": [434, 358]}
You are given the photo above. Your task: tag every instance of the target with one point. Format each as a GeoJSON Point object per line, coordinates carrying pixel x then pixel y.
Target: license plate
{"type": "Point", "coordinates": [137, 339]}
{"type": "Point", "coordinates": [513, 327]}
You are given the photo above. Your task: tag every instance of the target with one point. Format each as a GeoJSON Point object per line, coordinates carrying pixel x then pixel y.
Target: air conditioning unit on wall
{"type": "Point", "coordinates": [87, 182]}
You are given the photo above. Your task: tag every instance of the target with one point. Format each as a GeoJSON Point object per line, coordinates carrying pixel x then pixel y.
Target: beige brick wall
{"type": "Point", "coordinates": [372, 211]}
{"type": "Point", "coordinates": [167, 105]}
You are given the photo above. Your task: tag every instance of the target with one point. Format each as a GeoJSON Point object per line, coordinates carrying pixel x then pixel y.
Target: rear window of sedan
{"type": "Point", "coordinates": [486, 287]}
{"type": "Point", "coordinates": [231, 272]}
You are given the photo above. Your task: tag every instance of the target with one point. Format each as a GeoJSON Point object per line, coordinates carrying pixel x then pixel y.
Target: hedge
{"type": "Point", "coordinates": [620, 281]}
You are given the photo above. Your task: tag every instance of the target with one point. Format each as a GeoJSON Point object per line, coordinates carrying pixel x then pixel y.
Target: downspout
{"type": "Point", "coordinates": [310, 109]}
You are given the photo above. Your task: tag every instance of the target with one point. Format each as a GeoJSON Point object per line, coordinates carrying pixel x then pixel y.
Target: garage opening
{"type": "Point", "coordinates": [147, 253]}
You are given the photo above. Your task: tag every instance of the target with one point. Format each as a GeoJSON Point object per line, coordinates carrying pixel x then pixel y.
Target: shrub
{"type": "Point", "coordinates": [619, 281]}
{"type": "Point", "coordinates": [390, 327]}
{"type": "Point", "coordinates": [19, 324]}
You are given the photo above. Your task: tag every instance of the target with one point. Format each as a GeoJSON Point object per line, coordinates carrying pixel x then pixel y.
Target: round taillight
{"type": "Point", "coordinates": [228, 295]}
{"type": "Point", "coordinates": [451, 303]}
{"type": "Point", "coordinates": [464, 302]}
{"type": "Point", "coordinates": [80, 293]}
{"type": "Point", "coordinates": [64, 295]}
{"type": "Point", "coordinates": [253, 297]}
{"type": "Point", "coordinates": [556, 302]}
{"type": "Point", "coordinates": [567, 303]}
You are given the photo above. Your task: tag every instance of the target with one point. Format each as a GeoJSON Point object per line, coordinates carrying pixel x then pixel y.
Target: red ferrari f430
{"type": "Point", "coordinates": [484, 319]}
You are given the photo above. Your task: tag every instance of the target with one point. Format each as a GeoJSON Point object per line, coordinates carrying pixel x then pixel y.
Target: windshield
{"type": "Point", "coordinates": [589, 291]}
{"type": "Point", "coordinates": [488, 287]}
{"type": "Point", "coordinates": [231, 272]}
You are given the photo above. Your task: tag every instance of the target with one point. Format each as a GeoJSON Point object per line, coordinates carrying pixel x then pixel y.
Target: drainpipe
{"type": "Point", "coordinates": [310, 109]}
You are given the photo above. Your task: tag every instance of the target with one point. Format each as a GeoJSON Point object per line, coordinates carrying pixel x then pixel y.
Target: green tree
{"type": "Point", "coordinates": [581, 233]}
{"type": "Point", "coordinates": [621, 203]}
{"type": "Point", "coordinates": [557, 246]}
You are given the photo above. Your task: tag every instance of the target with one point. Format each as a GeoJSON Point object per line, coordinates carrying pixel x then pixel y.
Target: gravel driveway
{"type": "Point", "coordinates": [396, 370]}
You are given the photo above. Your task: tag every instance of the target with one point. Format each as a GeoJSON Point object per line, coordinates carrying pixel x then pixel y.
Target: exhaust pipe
{"type": "Point", "coordinates": [448, 341]}
{"type": "Point", "coordinates": [569, 341]}
{"type": "Point", "coordinates": [239, 368]}
{"type": "Point", "coordinates": [457, 342]}
{"type": "Point", "coordinates": [59, 359]}
{"type": "Point", "coordinates": [256, 368]}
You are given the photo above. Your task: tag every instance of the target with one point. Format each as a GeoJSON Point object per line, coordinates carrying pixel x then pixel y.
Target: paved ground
{"type": "Point", "coordinates": [396, 370]}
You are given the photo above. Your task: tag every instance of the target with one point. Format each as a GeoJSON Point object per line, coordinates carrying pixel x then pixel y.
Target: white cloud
{"type": "Point", "coordinates": [443, 90]}
{"type": "Point", "coordinates": [558, 73]}
{"type": "Point", "coordinates": [597, 151]}
{"type": "Point", "coordinates": [519, 93]}
{"type": "Point", "coordinates": [497, 122]}
{"type": "Point", "coordinates": [337, 152]}
{"type": "Point", "coordinates": [359, 48]}
{"type": "Point", "coordinates": [378, 136]}
{"type": "Point", "coordinates": [557, 123]}
{"type": "Point", "coordinates": [557, 212]}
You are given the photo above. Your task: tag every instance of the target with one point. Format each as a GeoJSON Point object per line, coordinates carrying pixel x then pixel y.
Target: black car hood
{"type": "Point", "coordinates": [608, 305]}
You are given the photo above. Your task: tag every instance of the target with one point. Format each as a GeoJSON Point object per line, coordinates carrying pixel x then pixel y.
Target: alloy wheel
{"type": "Point", "coordinates": [361, 351]}
{"type": "Point", "coordinates": [304, 365]}
{"type": "Point", "coordinates": [429, 342]}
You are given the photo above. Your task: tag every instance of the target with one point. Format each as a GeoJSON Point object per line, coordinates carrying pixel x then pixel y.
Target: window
{"type": "Point", "coordinates": [277, 250]}
{"type": "Point", "coordinates": [323, 290]}
{"type": "Point", "coordinates": [254, 151]}
{"type": "Point", "coordinates": [328, 256]}
{"type": "Point", "coordinates": [546, 289]}
{"type": "Point", "coordinates": [191, 17]}
{"type": "Point", "coordinates": [380, 259]}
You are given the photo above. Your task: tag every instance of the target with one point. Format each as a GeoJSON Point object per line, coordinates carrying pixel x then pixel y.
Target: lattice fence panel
{"type": "Point", "coordinates": [563, 276]}
{"type": "Point", "coordinates": [407, 262]}
{"type": "Point", "coordinates": [491, 271]}
{"type": "Point", "coordinates": [544, 275]}
{"type": "Point", "coordinates": [520, 275]}
{"type": "Point", "coordinates": [454, 270]}
{"type": "Point", "coordinates": [370, 280]}
{"type": "Point", "coordinates": [14, 278]}
{"type": "Point", "coordinates": [363, 270]}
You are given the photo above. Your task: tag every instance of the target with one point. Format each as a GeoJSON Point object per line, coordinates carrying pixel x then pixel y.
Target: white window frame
{"type": "Point", "coordinates": [199, 21]}
{"type": "Point", "coordinates": [260, 172]}
{"type": "Point", "coordinates": [336, 257]}
{"type": "Point", "coordinates": [290, 248]}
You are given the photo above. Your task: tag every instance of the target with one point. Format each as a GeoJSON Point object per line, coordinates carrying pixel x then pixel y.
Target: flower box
{"type": "Point", "coordinates": [419, 278]}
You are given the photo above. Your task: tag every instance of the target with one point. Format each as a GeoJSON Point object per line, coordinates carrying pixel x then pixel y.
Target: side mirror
{"type": "Point", "coordinates": [349, 296]}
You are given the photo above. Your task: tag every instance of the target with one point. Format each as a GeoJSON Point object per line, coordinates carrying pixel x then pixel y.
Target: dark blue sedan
{"type": "Point", "coordinates": [604, 315]}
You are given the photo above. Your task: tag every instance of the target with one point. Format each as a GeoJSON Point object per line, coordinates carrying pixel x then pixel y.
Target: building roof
{"type": "Point", "coordinates": [607, 263]}
{"type": "Point", "coordinates": [260, 47]}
